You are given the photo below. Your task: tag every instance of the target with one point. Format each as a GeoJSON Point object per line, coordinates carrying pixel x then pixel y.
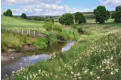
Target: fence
{"type": "Point", "coordinates": [33, 33]}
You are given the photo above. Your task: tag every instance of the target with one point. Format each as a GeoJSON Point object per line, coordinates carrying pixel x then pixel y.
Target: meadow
{"type": "Point", "coordinates": [95, 56]}
{"type": "Point", "coordinates": [42, 34]}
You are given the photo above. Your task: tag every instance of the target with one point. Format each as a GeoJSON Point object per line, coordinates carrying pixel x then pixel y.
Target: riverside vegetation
{"type": "Point", "coordinates": [96, 54]}
{"type": "Point", "coordinates": [50, 33]}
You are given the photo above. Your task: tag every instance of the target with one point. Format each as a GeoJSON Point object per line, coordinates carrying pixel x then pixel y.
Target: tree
{"type": "Point", "coordinates": [4, 13]}
{"type": "Point", "coordinates": [50, 20]}
{"type": "Point", "coordinates": [8, 13]}
{"type": "Point", "coordinates": [117, 14]}
{"type": "Point", "coordinates": [101, 14]}
{"type": "Point", "coordinates": [23, 15]}
{"type": "Point", "coordinates": [79, 18]}
{"type": "Point", "coordinates": [66, 19]}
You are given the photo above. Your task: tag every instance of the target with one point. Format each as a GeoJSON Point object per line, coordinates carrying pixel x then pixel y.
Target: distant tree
{"type": "Point", "coordinates": [117, 14]}
{"type": "Point", "coordinates": [79, 18]}
{"type": "Point", "coordinates": [4, 13]}
{"type": "Point", "coordinates": [66, 19]}
{"type": "Point", "coordinates": [23, 15]}
{"type": "Point", "coordinates": [8, 13]}
{"type": "Point", "coordinates": [50, 20]}
{"type": "Point", "coordinates": [101, 14]}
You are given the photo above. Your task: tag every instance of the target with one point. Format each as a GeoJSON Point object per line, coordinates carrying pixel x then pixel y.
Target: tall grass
{"type": "Point", "coordinates": [12, 40]}
{"type": "Point", "coordinates": [52, 33]}
{"type": "Point", "coordinates": [100, 61]}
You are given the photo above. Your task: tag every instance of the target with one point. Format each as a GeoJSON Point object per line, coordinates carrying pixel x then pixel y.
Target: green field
{"type": "Point", "coordinates": [96, 54]}
{"type": "Point", "coordinates": [47, 33]}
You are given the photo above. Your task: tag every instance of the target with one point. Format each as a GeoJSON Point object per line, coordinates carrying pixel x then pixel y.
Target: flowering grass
{"type": "Point", "coordinates": [96, 56]}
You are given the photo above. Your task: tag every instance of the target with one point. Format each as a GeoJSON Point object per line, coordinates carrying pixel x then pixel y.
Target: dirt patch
{"type": "Point", "coordinates": [28, 47]}
{"type": "Point", "coordinates": [8, 57]}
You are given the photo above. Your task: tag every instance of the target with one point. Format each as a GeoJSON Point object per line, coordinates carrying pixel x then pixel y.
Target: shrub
{"type": "Point", "coordinates": [79, 18]}
{"type": "Point", "coordinates": [117, 14]}
{"type": "Point", "coordinates": [51, 39]}
{"type": "Point", "coordinates": [80, 30]}
{"type": "Point", "coordinates": [40, 43]}
{"type": "Point", "coordinates": [23, 15]}
{"type": "Point", "coordinates": [101, 14]}
{"type": "Point", "coordinates": [8, 13]}
{"type": "Point", "coordinates": [50, 20]}
{"type": "Point", "coordinates": [4, 13]}
{"type": "Point", "coordinates": [50, 26]}
{"type": "Point", "coordinates": [66, 19]}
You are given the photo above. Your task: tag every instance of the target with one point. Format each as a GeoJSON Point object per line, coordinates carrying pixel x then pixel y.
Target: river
{"type": "Point", "coordinates": [14, 61]}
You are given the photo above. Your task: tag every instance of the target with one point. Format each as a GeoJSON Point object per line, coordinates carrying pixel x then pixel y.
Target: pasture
{"type": "Point", "coordinates": [95, 56]}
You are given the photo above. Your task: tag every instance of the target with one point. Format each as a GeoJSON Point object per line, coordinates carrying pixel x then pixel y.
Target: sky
{"type": "Point", "coordinates": [55, 7]}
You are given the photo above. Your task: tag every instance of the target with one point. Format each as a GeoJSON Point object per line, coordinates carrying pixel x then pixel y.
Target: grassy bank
{"type": "Point", "coordinates": [96, 56]}
{"type": "Point", "coordinates": [47, 33]}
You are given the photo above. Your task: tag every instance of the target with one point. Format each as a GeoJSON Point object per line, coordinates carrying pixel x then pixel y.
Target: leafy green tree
{"type": "Point", "coordinates": [79, 18]}
{"type": "Point", "coordinates": [50, 20]}
{"type": "Point", "coordinates": [66, 19]}
{"type": "Point", "coordinates": [23, 15]}
{"type": "Point", "coordinates": [8, 13]}
{"type": "Point", "coordinates": [101, 14]}
{"type": "Point", "coordinates": [4, 13]}
{"type": "Point", "coordinates": [117, 14]}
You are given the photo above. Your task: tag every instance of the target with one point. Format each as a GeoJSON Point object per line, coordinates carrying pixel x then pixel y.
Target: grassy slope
{"type": "Point", "coordinates": [96, 56]}
{"type": "Point", "coordinates": [18, 23]}
{"type": "Point", "coordinates": [17, 40]}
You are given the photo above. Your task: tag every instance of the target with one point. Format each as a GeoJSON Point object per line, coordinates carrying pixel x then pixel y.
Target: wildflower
{"type": "Point", "coordinates": [72, 72]}
{"type": "Point", "coordinates": [75, 64]}
{"type": "Point", "coordinates": [91, 73]}
{"type": "Point", "coordinates": [79, 77]}
{"type": "Point", "coordinates": [98, 77]}
{"type": "Point", "coordinates": [78, 74]}
{"type": "Point", "coordinates": [116, 70]}
{"type": "Point", "coordinates": [85, 72]}
{"type": "Point", "coordinates": [112, 73]}
{"type": "Point", "coordinates": [102, 70]}
{"type": "Point", "coordinates": [111, 58]}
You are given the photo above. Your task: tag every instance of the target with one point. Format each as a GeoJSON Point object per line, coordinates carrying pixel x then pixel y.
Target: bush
{"type": "Point", "coordinates": [8, 13]}
{"type": "Point", "coordinates": [117, 14]}
{"type": "Point", "coordinates": [50, 20]}
{"type": "Point", "coordinates": [40, 43]}
{"type": "Point", "coordinates": [80, 30]}
{"type": "Point", "coordinates": [101, 14]}
{"type": "Point", "coordinates": [23, 15]}
{"type": "Point", "coordinates": [66, 19]}
{"type": "Point", "coordinates": [79, 18]}
{"type": "Point", "coordinates": [50, 26]}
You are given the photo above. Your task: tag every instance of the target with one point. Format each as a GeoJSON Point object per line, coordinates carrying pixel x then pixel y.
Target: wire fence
{"type": "Point", "coordinates": [33, 33]}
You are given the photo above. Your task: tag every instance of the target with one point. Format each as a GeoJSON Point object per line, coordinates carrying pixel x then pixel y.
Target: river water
{"type": "Point", "coordinates": [13, 61]}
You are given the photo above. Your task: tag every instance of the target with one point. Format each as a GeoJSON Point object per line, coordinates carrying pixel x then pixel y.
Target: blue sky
{"type": "Point", "coordinates": [55, 7]}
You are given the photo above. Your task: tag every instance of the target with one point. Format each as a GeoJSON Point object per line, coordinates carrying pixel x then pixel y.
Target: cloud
{"type": "Point", "coordinates": [40, 7]}
{"type": "Point", "coordinates": [45, 9]}
{"type": "Point", "coordinates": [25, 2]}
{"type": "Point", "coordinates": [110, 2]}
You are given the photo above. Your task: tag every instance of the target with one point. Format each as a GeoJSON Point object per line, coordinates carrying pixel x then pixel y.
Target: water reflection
{"type": "Point", "coordinates": [27, 60]}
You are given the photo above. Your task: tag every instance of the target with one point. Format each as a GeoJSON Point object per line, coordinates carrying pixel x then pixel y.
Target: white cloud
{"type": "Point", "coordinates": [13, 2]}
{"type": "Point", "coordinates": [40, 7]}
{"type": "Point", "coordinates": [110, 2]}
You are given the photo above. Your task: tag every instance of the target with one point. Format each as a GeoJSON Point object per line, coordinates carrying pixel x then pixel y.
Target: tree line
{"type": "Point", "coordinates": [9, 13]}
{"type": "Point", "coordinates": [101, 14]}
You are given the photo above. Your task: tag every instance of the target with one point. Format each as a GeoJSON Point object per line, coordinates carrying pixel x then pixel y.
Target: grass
{"type": "Point", "coordinates": [51, 33]}
{"type": "Point", "coordinates": [95, 56]}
